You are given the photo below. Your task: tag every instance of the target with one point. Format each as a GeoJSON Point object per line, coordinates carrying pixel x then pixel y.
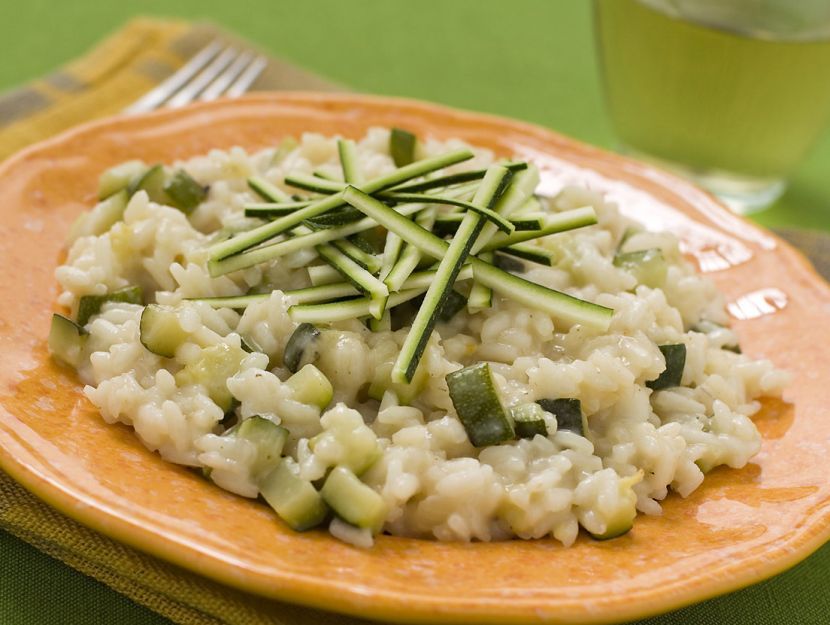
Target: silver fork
{"type": "Point", "coordinates": [216, 70]}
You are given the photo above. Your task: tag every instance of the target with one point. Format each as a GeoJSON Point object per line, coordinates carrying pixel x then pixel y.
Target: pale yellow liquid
{"type": "Point", "coordinates": [710, 98]}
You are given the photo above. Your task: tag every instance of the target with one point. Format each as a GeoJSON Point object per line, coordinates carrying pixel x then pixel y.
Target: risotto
{"type": "Point", "coordinates": [396, 335]}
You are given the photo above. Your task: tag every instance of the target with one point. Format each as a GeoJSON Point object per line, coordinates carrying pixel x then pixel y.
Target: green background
{"type": "Point", "coordinates": [529, 59]}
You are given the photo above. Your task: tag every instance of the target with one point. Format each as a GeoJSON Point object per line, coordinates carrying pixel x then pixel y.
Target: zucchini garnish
{"type": "Point", "coordinates": [675, 356]}
{"type": "Point", "coordinates": [478, 406]}
{"type": "Point", "coordinates": [528, 420]}
{"type": "Point", "coordinates": [90, 305]}
{"type": "Point", "coordinates": [482, 212]}
{"type": "Point", "coordinates": [568, 413]}
{"type": "Point", "coordinates": [402, 146]}
{"type": "Point", "coordinates": [301, 347]}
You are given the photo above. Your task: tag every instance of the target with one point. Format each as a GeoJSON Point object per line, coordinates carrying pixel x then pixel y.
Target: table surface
{"type": "Point", "coordinates": [529, 59]}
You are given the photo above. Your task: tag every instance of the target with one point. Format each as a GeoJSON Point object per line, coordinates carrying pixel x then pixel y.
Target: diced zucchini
{"type": "Point", "coordinates": [528, 420]}
{"type": "Point", "coordinates": [161, 332]}
{"type": "Point", "coordinates": [119, 178]}
{"type": "Point", "coordinates": [268, 438]}
{"type": "Point", "coordinates": [623, 519]}
{"type": "Point", "coordinates": [102, 217]}
{"type": "Point", "coordinates": [302, 347]}
{"type": "Point", "coordinates": [384, 356]}
{"type": "Point", "coordinates": [647, 266]}
{"type": "Point", "coordinates": [354, 501]}
{"type": "Point", "coordinates": [294, 499]}
{"type": "Point", "coordinates": [184, 192]}
{"type": "Point", "coordinates": [66, 340]}
{"type": "Point", "coordinates": [152, 181]}
{"type": "Point", "coordinates": [478, 406]}
{"type": "Point", "coordinates": [310, 386]}
{"type": "Point", "coordinates": [568, 413]}
{"type": "Point", "coordinates": [90, 305]}
{"type": "Point", "coordinates": [212, 369]}
{"type": "Point", "coordinates": [402, 145]}
{"type": "Point", "coordinates": [346, 441]}
{"type": "Point", "coordinates": [675, 356]}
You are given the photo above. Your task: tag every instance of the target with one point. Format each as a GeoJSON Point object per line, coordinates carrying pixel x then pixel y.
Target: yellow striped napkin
{"type": "Point", "coordinates": [117, 72]}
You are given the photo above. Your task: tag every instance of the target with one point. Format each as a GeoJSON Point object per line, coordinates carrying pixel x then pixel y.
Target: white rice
{"type": "Point", "coordinates": [639, 443]}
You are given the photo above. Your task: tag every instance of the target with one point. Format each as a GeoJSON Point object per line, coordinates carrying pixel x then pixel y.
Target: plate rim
{"type": "Point", "coordinates": [799, 544]}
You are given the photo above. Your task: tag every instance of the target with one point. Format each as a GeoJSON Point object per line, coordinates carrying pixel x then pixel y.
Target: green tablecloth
{"type": "Point", "coordinates": [530, 59]}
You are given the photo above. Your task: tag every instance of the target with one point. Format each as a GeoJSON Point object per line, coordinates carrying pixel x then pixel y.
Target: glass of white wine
{"type": "Point", "coordinates": [731, 92]}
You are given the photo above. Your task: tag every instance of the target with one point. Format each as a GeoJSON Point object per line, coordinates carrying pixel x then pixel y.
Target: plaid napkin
{"type": "Point", "coordinates": [122, 68]}
{"type": "Point", "coordinates": [117, 72]}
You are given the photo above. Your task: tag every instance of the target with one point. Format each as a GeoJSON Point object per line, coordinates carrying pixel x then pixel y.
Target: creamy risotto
{"type": "Point", "coordinates": [396, 335]}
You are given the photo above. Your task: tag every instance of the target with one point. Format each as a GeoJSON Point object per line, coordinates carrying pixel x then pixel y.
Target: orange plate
{"type": "Point", "coordinates": [740, 527]}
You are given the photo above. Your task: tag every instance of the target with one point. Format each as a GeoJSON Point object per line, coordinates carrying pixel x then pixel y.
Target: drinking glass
{"type": "Point", "coordinates": [730, 92]}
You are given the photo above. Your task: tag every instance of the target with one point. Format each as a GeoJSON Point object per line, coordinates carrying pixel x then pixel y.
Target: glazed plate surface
{"type": "Point", "coordinates": [740, 527]}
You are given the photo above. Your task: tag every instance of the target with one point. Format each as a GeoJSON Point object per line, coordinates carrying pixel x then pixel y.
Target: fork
{"type": "Point", "coordinates": [214, 71]}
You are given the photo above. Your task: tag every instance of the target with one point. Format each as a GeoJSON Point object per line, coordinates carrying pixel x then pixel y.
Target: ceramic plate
{"type": "Point", "coordinates": [741, 526]}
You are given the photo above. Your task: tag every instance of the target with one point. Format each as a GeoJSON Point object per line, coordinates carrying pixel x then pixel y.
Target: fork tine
{"type": "Point", "coordinates": [188, 93]}
{"type": "Point", "coordinates": [215, 89]}
{"type": "Point", "coordinates": [153, 99]}
{"type": "Point", "coordinates": [247, 78]}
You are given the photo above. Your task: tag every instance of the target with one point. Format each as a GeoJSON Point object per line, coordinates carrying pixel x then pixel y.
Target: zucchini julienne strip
{"type": "Point", "coordinates": [315, 184]}
{"type": "Point", "coordinates": [267, 231]}
{"type": "Point", "coordinates": [531, 221]}
{"type": "Point", "coordinates": [498, 221]}
{"type": "Point", "coordinates": [347, 150]}
{"type": "Point", "coordinates": [369, 262]}
{"type": "Point", "coordinates": [391, 251]}
{"type": "Point", "coordinates": [318, 173]}
{"type": "Point", "coordinates": [561, 306]}
{"type": "Point", "coordinates": [532, 253]}
{"type": "Point", "coordinates": [346, 309]}
{"type": "Point", "coordinates": [524, 183]}
{"type": "Point", "coordinates": [268, 191]}
{"type": "Point", "coordinates": [447, 224]}
{"type": "Point", "coordinates": [295, 244]}
{"type": "Point", "coordinates": [558, 222]}
{"type": "Point", "coordinates": [357, 275]}
{"type": "Point", "coordinates": [410, 256]}
{"type": "Point", "coordinates": [334, 218]}
{"type": "Point", "coordinates": [481, 296]}
{"type": "Point", "coordinates": [322, 274]}
{"type": "Point", "coordinates": [416, 340]}
{"type": "Point", "coordinates": [327, 292]}
{"type": "Point", "coordinates": [452, 179]}
{"type": "Point", "coordinates": [272, 209]}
